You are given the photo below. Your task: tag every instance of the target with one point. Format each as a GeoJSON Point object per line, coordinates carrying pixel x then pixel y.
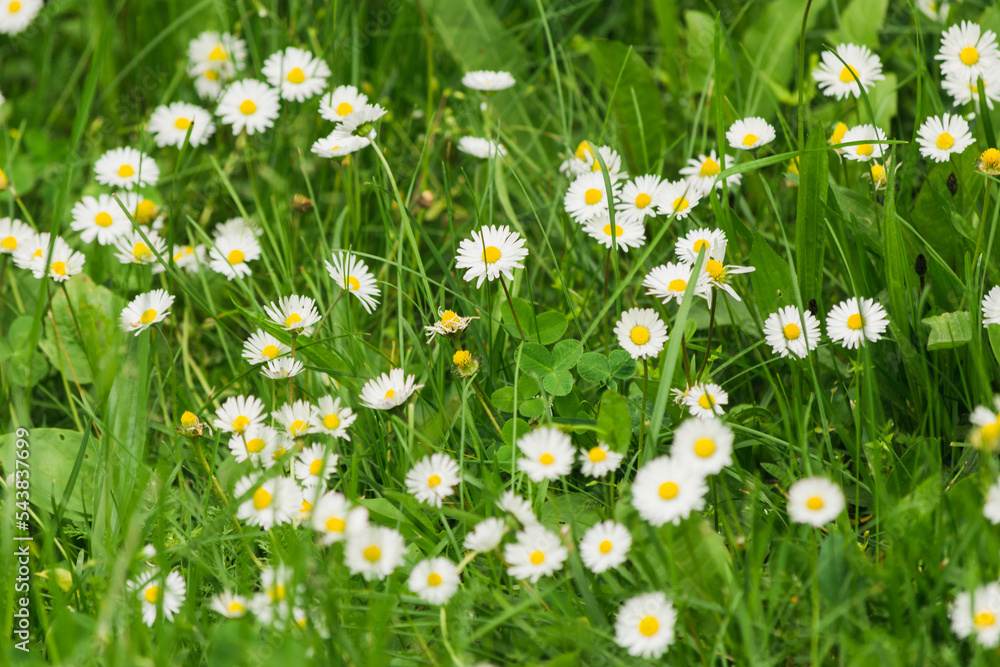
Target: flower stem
{"type": "Point", "coordinates": [711, 329]}
{"type": "Point", "coordinates": [642, 412]}
{"type": "Point", "coordinates": [512, 311]}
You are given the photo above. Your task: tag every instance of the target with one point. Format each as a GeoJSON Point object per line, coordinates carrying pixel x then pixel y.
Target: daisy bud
{"type": "Point", "coordinates": [920, 266]}
{"type": "Point", "coordinates": [988, 162]}
{"type": "Point", "coordinates": [301, 203]}
{"type": "Point", "coordinates": [4, 181]}
{"type": "Point", "coordinates": [188, 419]}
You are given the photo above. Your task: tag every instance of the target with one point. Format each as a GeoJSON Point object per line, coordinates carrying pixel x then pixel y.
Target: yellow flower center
{"type": "Point", "coordinates": [433, 481]}
{"type": "Point", "coordinates": [188, 419]}
{"type": "Point", "coordinates": [592, 196]}
{"type": "Point", "coordinates": [618, 230]}
{"type": "Point", "coordinates": [255, 445]}
{"type": "Point", "coordinates": [449, 317]}
{"type": "Point", "coordinates": [331, 421]}
{"type": "Point", "coordinates": [990, 432]}
{"type": "Point", "coordinates": [296, 75]}
{"type": "Point", "coordinates": [236, 608]}
{"type": "Point", "coordinates": [103, 219]}
{"type": "Point", "coordinates": [491, 254]}
{"type": "Point", "coordinates": [546, 459]}
{"type": "Point", "coordinates": [669, 490]}
{"type": "Point", "coordinates": [709, 168]}
{"type": "Point", "coordinates": [715, 269]}
{"type": "Point", "coordinates": [434, 579]}
{"type": "Point", "coordinates": [750, 139]}
{"type": "Point", "coordinates": [336, 525]}
{"type": "Point", "coordinates": [604, 547]}
{"type": "Point", "coordinates": [677, 285]}
{"type": "Point", "coordinates": [878, 174]}
{"type": "Point", "coordinates": [152, 594]}
{"type": "Point", "coordinates": [681, 204]}
{"type": "Point", "coordinates": [293, 319]}
{"type": "Point", "coordinates": [183, 252]}
{"type": "Point", "coordinates": [270, 351]}
{"type": "Point", "coordinates": [236, 257]}
{"type": "Point", "coordinates": [462, 358]}
{"type": "Point", "coordinates": [59, 268]}
{"type": "Point", "coordinates": [261, 499]}
{"type": "Point", "coordinates": [815, 503]}
{"type": "Point", "coordinates": [792, 331]}
{"type": "Point", "coordinates": [276, 593]}
{"type": "Point", "coordinates": [699, 244]}
{"type": "Point", "coordinates": [642, 200]}
{"type": "Point", "coordinates": [126, 171]}
{"type": "Point", "coordinates": [218, 53]}
{"type": "Point", "coordinates": [14, 7]}
{"type": "Point", "coordinates": [38, 253]}
{"type": "Point", "coordinates": [182, 124]}
{"type": "Point", "coordinates": [596, 455]}
{"type": "Point", "coordinates": [211, 75]}
{"type": "Point", "coordinates": [537, 558]}
{"type": "Point", "coordinates": [344, 108]}
{"type": "Point", "coordinates": [10, 243]}
{"type": "Point", "coordinates": [648, 626]}
{"type": "Point", "coordinates": [984, 619]}
{"type": "Point", "coordinates": [316, 467]}
{"type": "Point", "coordinates": [240, 423]}
{"type": "Point", "coordinates": [945, 141]}
{"type": "Point", "coordinates": [855, 322]}
{"type": "Point", "coordinates": [866, 149]}
{"type": "Point", "coordinates": [639, 335]}
{"type": "Point", "coordinates": [247, 107]}
{"type": "Point", "coordinates": [704, 447]}
{"type": "Point", "coordinates": [148, 316]}
{"type": "Point", "coordinates": [390, 394]}
{"type": "Point", "coordinates": [839, 130]}
{"type": "Point", "coordinates": [990, 158]}
{"type": "Point", "coordinates": [848, 73]}
{"type": "Point", "coordinates": [352, 283]}
{"type": "Point", "coordinates": [297, 426]}
{"type": "Point", "coordinates": [969, 55]}
{"type": "Point", "coordinates": [372, 554]}
{"type": "Point", "coordinates": [141, 251]}
{"type": "Point", "coordinates": [706, 401]}
{"type": "Point", "coordinates": [583, 150]}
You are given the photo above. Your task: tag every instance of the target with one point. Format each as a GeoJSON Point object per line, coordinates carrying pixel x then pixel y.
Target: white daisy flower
{"type": "Point", "coordinates": [145, 310]}
{"type": "Point", "coordinates": [547, 453]}
{"type": "Point", "coordinates": [160, 593]}
{"type": "Point", "coordinates": [239, 412]}
{"type": "Point", "coordinates": [190, 258]}
{"type": "Point", "coordinates": [338, 144]}
{"type": "Point", "coordinates": [133, 248]}
{"type": "Point", "coordinates": [334, 518]}
{"type": "Point", "coordinates": [13, 233]}
{"type": "Point", "coordinates": [788, 332]}
{"type": "Point", "coordinates": [236, 226]}
{"type": "Point", "coordinates": [32, 249]}
{"type": "Point", "coordinates": [967, 52]}
{"type": "Point", "coordinates": [249, 105]}
{"type": "Point", "coordinates": [991, 307]}
{"type": "Point", "coordinates": [517, 507]}
{"type": "Point", "coordinates": [273, 604]}
{"type": "Point", "coordinates": [991, 507]}
{"type": "Point", "coordinates": [978, 614]}
{"type": "Point", "coordinates": [484, 149]}
{"type": "Point", "coordinates": [668, 489]}
{"type": "Point", "coordinates": [15, 16]}
{"type": "Point", "coordinates": [434, 580]}
{"type": "Point", "coordinates": [678, 198]}
{"type": "Point", "coordinates": [208, 83]}
{"type": "Point", "coordinates": [490, 252]}
{"type": "Point", "coordinates": [703, 173]}
{"type": "Point", "coordinates": [605, 546]}
{"type": "Point", "coordinates": [313, 465]}
{"type": "Point", "coordinates": [855, 320]}
{"type": "Point", "coordinates": [332, 419]}
{"type": "Point", "coordinates": [690, 244]}
{"type": "Point", "coordinates": [374, 552]}
{"type": "Point", "coordinates": [815, 501]}
{"type": "Point", "coordinates": [488, 81]}
{"type": "Point", "coordinates": [262, 347]}
{"type": "Point", "coordinates": [612, 160]}
{"type": "Point", "coordinates": [705, 445]}
{"type": "Point", "coordinates": [99, 218]}
{"type": "Point", "coordinates": [297, 418]}
{"type": "Point", "coordinates": [537, 553]}
{"type": "Point", "coordinates": [837, 136]}
{"type": "Point", "coordinates": [282, 368]}
{"type": "Point", "coordinates": [223, 54]}
{"type": "Point", "coordinates": [627, 233]}
{"type": "Point", "coordinates": [645, 625]}
{"type": "Point", "coordinates": [350, 273]}
{"type": "Point", "coordinates": [230, 604]}
{"type": "Point", "coordinates": [273, 502]}
{"type": "Point", "coordinates": [638, 198]}
{"type": "Point", "coordinates": [296, 73]}
{"type": "Point", "coordinates": [170, 124]}
{"type": "Point", "coordinates": [599, 460]}
{"type": "Point", "coordinates": [126, 168]}
{"type": "Point", "coordinates": [63, 263]}
{"type": "Point", "coordinates": [389, 390]}
{"type": "Point", "coordinates": [986, 435]}
{"type": "Point", "coordinates": [449, 322]}
{"type": "Point", "coordinates": [578, 164]}
{"type": "Point", "coordinates": [706, 400]}
{"type": "Point", "coordinates": [942, 137]}
{"type": "Point", "coordinates": [668, 282]}
{"type": "Point", "coordinates": [143, 210]}
{"type": "Point", "coordinates": [361, 121]}
{"type": "Point", "coordinates": [719, 274]}
{"type": "Point", "coordinates": [233, 253]}
{"type": "Point", "coordinates": [963, 91]}
{"type": "Point", "coordinates": [293, 313]}
{"type": "Point", "coordinates": [749, 134]}
{"type": "Point", "coordinates": [340, 102]}
{"type": "Point", "coordinates": [866, 151]}
{"type": "Point", "coordinates": [837, 79]}
{"type": "Point", "coordinates": [257, 444]}
{"type": "Point", "coordinates": [486, 536]}
{"type": "Point", "coordinates": [641, 332]}
{"type": "Point", "coordinates": [587, 197]}
{"type": "Point", "coordinates": [935, 10]}
{"type": "Point", "coordinates": [433, 478]}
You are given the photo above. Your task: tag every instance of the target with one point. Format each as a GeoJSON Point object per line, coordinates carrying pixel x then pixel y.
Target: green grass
{"type": "Point", "coordinates": [657, 81]}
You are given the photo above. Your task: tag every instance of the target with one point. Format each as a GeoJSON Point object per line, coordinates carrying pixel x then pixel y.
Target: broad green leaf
{"type": "Point", "coordinates": [810, 223]}
{"type": "Point", "coordinates": [948, 330]}
{"type": "Point", "coordinates": [503, 398]}
{"type": "Point", "coordinates": [614, 422]}
{"type": "Point", "coordinates": [772, 280]}
{"type": "Point", "coordinates": [566, 353]}
{"type": "Point", "coordinates": [622, 364]}
{"type": "Point", "coordinates": [52, 456]}
{"type": "Point", "coordinates": [507, 431]}
{"type": "Point", "coordinates": [594, 367]}
{"type": "Point", "coordinates": [861, 21]}
{"type": "Point", "coordinates": [551, 326]}
{"type": "Point", "coordinates": [535, 359]}
{"type": "Point", "coordinates": [533, 408]}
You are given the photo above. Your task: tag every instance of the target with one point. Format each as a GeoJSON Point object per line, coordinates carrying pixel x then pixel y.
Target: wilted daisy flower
{"type": "Point", "coordinates": [517, 507]}
{"type": "Point", "coordinates": [815, 501]}
{"type": "Point", "coordinates": [942, 137]}
{"type": "Point", "coordinates": [638, 198]}
{"type": "Point", "coordinates": [126, 168]}
{"type": "Point", "coordinates": [856, 320]}
{"type": "Point", "coordinates": [389, 390]}
{"type": "Point", "coordinates": [262, 347]}
{"type": "Point", "coordinates": [703, 173]}
{"type": "Point", "coordinates": [537, 553]}
{"type": "Point", "coordinates": [239, 412]}
{"type": "Point", "coordinates": [338, 144]}
{"type": "Point", "coordinates": [978, 614]}
{"type": "Point", "coordinates": [17, 15]}
{"type": "Point", "coordinates": [488, 81]}
{"type": "Point", "coordinates": [350, 273]}
{"type": "Point", "coordinates": [171, 123]}
{"type": "Point", "coordinates": [233, 253]}
{"type": "Point", "coordinates": [668, 282]}
{"type": "Point", "coordinates": [706, 400]}
{"type": "Point", "coordinates": [314, 464]}
{"type": "Point", "coordinates": [605, 546]}
{"type": "Point", "coordinates": [340, 102]}
{"type": "Point", "coordinates": [98, 218]}
{"type": "Point", "coordinates": [547, 453]}
{"type": "Point", "coordinates": [274, 502]}
{"type": "Point", "coordinates": [156, 592]}
{"type": "Point", "coordinates": [991, 307]}
{"type": "Point", "coordinates": [641, 332]}
{"type": "Point", "coordinates": [230, 604]}
{"type": "Point", "coordinates": [145, 310]}
{"type": "Point", "coordinates": [282, 368]}
{"type": "Point", "coordinates": [448, 323]}
{"type": "Point", "coordinates": [249, 105]}
{"type": "Point", "coordinates": [706, 445]}
{"type": "Point", "coordinates": [257, 444]}
{"type": "Point", "coordinates": [599, 460]}
{"type": "Point", "coordinates": [223, 54]}
{"type": "Point", "coordinates": [332, 419]}
{"type": "Point", "coordinates": [490, 252]}
{"type": "Point", "coordinates": [668, 489]}
{"type": "Point", "coordinates": [587, 198]}
{"type": "Point", "coordinates": [749, 134]}
{"type": "Point", "coordinates": [13, 233]}
{"type": "Point", "coordinates": [967, 52]}
{"type": "Point", "coordinates": [866, 151]}
{"type": "Point", "coordinates": [645, 625]}
{"type": "Point", "coordinates": [374, 552]}
{"type": "Point", "coordinates": [296, 73]}
{"type": "Point", "coordinates": [434, 580]}
{"type": "Point", "coordinates": [293, 313]}
{"type": "Point", "coordinates": [297, 418]}
{"type": "Point", "coordinates": [334, 518]}
{"type": "Point", "coordinates": [838, 80]}
{"type": "Point", "coordinates": [688, 246]}
{"type": "Point", "coordinates": [433, 478]}
{"type": "Point", "coordinates": [991, 507]}
{"type": "Point", "coordinates": [986, 434]}
{"type": "Point", "coordinates": [484, 149]}
{"type": "Point", "coordinates": [63, 263]}
{"type": "Point", "coordinates": [627, 233]}
{"type": "Point", "coordinates": [361, 121]}
{"type": "Point", "coordinates": [486, 535]}
{"type": "Point", "coordinates": [963, 91]}
{"type": "Point", "coordinates": [789, 332]}
{"type": "Point", "coordinates": [135, 247]}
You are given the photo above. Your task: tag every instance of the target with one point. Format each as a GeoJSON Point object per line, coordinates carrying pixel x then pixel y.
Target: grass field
{"type": "Point", "coordinates": [150, 504]}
